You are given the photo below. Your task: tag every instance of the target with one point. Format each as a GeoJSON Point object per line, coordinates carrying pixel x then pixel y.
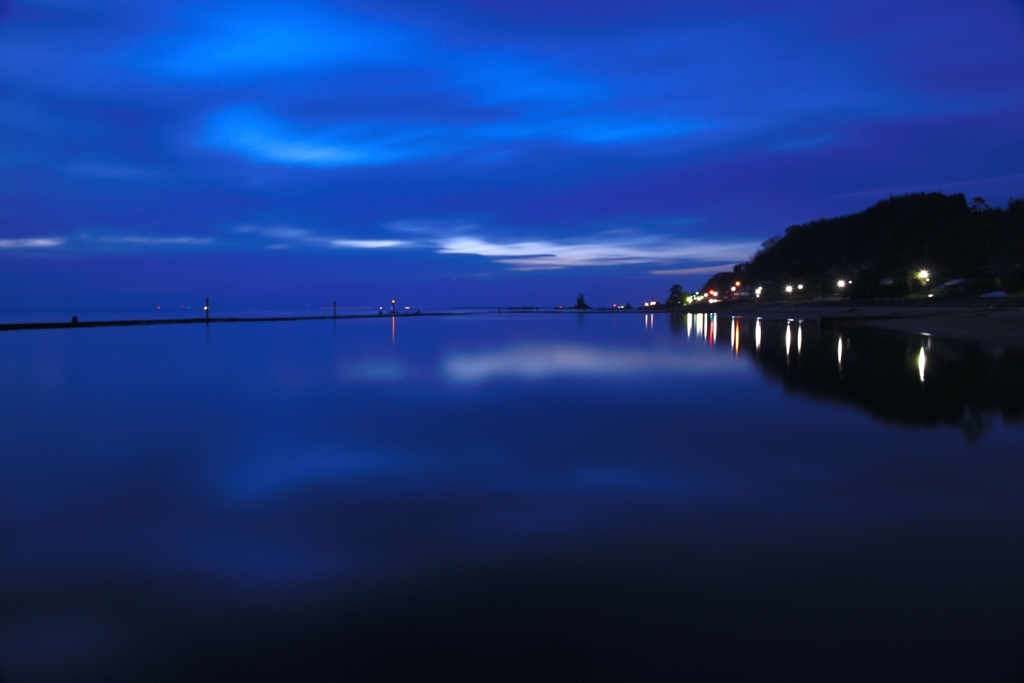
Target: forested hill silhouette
{"type": "Point", "coordinates": [884, 249]}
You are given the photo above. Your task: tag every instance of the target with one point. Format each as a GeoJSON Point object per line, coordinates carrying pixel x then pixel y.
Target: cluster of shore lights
{"type": "Point", "coordinates": [842, 283]}
{"type": "Point", "coordinates": [789, 288]}
{"type": "Point", "coordinates": [650, 303]}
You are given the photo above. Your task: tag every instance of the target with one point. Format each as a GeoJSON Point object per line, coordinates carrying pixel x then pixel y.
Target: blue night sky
{"type": "Point", "coordinates": [472, 153]}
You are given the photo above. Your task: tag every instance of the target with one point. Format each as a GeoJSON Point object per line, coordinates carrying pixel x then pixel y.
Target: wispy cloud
{"type": "Point", "coordinates": [250, 39]}
{"type": "Point", "coordinates": [256, 135]}
{"type": "Point", "coordinates": [615, 248]}
{"type": "Point", "coordinates": [598, 250]}
{"type": "Point", "coordinates": [510, 93]}
{"type": "Point", "coordinates": [32, 242]}
{"type": "Point", "coordinates": [155, 241]}
{"type": "Point", "coordinates": [287, 236]}
{"type": "Point", "coordinates": [280, 232]}
{"type": "Point", "coordinates": [515, 96]}
{"type": "Point", "coordinates": [696, 271]}
{"type": "Point", "coordinates": [367, 244]}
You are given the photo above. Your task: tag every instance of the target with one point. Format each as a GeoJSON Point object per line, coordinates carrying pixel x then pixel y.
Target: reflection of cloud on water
{"type": "Point", "coordinates": [609, 480]}
{"type": "Point", "coordinates": [378, 370]}
{"type": "Point", "coordinates": [279, 475]}
{"type": "Point", "coordinates": [542, 362]}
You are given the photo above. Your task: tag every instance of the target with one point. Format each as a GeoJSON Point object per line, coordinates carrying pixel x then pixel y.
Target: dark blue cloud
{"type": "Point", "coordinates": [135, 130]}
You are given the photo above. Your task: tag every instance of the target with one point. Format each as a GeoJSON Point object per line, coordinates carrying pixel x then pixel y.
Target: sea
{"type": "Point", "coordinates": [524, 496]}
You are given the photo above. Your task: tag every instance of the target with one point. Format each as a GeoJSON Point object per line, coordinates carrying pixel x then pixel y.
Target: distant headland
{"type": "Point", "coordinates": [906, 247]}
{"type": "Point", "coordinates": [920, 263]}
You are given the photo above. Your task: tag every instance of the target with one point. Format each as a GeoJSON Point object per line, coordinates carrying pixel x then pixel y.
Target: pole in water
{"type": "Point", "coordinates": [207, 308]}
{"type": "Point", "coordinates": [392, 307]}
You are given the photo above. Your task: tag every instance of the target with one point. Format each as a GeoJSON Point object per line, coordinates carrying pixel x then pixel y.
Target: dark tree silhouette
{"type": "Point", "coordinates": [675, 296]}
{"type": "Point", "coordinates": [881, 248]}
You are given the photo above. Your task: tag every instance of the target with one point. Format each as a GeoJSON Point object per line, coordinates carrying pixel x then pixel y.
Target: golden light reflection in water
{"type": "Point", "coordinates": [736, 336]}
{"type": "Point", "coordinates": [757, 335]}
{"type": "Point", "coordinates": [392, 330]}
{"type": "Point", "coordinates": [922, 360]}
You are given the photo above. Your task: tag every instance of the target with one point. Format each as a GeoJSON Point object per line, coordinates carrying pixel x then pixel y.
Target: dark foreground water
{"type": "Point", "coordinates": [520, 498]}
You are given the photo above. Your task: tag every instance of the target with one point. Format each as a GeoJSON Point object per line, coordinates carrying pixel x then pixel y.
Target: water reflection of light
{"type": "Point", "coordinates": [799, 338]}
{"type": "Point", "coordinates": [689, 321]}
{"type": "Point", "coordinates": [736, 335]}
{"type": "Point", "coordinates": [922, 359]}
{"type": "Point", "coordinates": [392, 330]}
{"type": "Point", "coordinates": [542, 362]}
{"type": "Point", "coordinates": [789, 339]}
{"type": "Point", "coordinates": [840, 353]}
{"type": "Point", "coordinates": [757, 335]}
{"type": "Point", "coordinates": [713, 323]}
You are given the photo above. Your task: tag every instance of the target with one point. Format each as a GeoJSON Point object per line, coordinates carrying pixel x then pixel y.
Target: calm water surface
{"type": "Point", "coordinates": [517, 497]}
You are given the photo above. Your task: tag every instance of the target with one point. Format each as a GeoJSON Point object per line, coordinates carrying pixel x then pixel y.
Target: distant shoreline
{"type": "Point", "coordinates": [992, 321]}
{"type": "Point", "coordinates": [997, 321]}
{"type": "Point", "coordinates": [12, 327]}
